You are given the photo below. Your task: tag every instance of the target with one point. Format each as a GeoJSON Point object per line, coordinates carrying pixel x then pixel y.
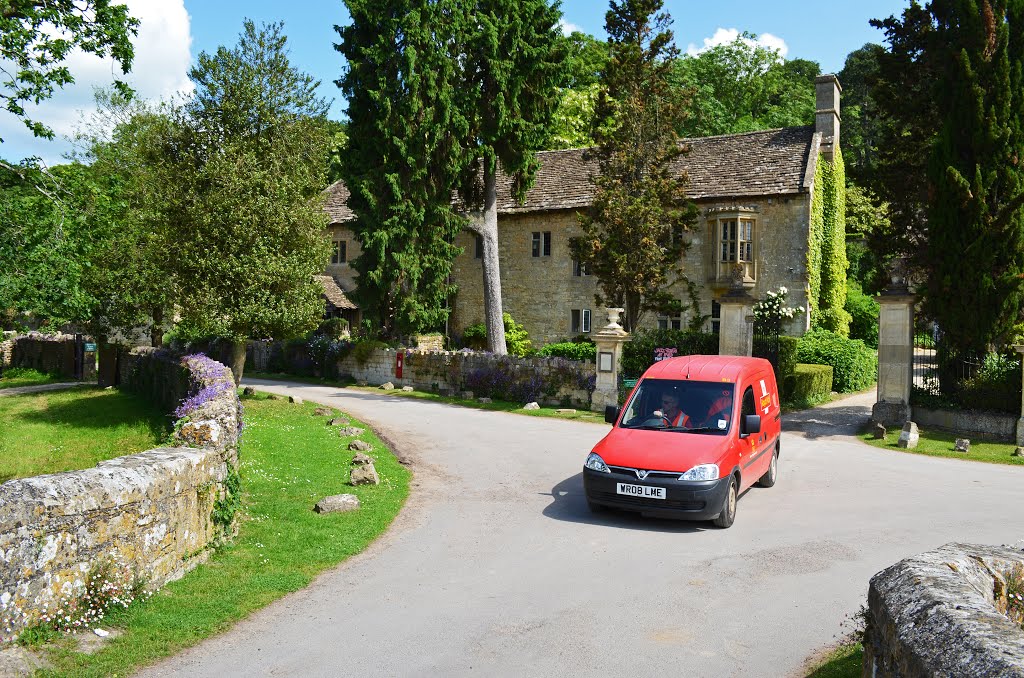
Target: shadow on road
{"type": "Point", "coordinates": [827, 422]}
{"type": "Point", "coordinates": [570, 505]}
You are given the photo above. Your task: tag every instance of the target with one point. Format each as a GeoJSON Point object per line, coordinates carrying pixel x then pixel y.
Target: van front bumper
{"type": "Point", "coordinates": [684, 499]}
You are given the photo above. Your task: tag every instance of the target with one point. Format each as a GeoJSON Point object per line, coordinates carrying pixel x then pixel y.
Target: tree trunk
{"type": "Point", "coordinates": [237, 359]}
{"type": "Point", "coordinates": [632, 312]}
{"type": "Point", "coordinates": [156, 331]}
{"type": "Point", "coordinates": [492, 275]}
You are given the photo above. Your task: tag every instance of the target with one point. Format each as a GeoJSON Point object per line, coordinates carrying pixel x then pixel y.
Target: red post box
{"type": "Point", "coordinates": [399, 361]}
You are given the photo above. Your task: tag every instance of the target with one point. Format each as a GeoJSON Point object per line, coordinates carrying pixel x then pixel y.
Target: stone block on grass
{"type": "Point", "coordinates": [295, 400]}
{"type": "Point", "coordinates": [365, 475]}
{"type": "Point", "coordinates": [346, 431]}
{"type": "Point", "coordinates": [360, 446]}
{"type": "Point", "coordinates": [879, 432]}
{"type": "Point", "coordinates": [909, 436]}
{"type": "Point", "coordinates": [338, 503]}
{"type": "Point", "coordinates": [407, 389]}
{"type": "Point", "coordinates": [248, 391]}
{"type": "Point", "coordinates": [962, 445]}
{"type": "Point", "coordinates": [387, 386]}
{"type": "Point", "coordinates": [323, 412]}
{"type": "Point", "coordinates": [531, 406]}
{"type": "Point", "coordinates": [485, 401]}
{"type": "Point", "coordinates": [337, 421]}
{"type": "Point", "coordinates": [361, 459]}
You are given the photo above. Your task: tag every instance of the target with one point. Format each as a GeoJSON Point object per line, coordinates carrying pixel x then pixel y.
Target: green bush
{"type": "Point", "coordinates": [808, 385]}
{"type": "Point", "coordinates": [855, 366]}
{"type": "Point", "coordinates": [363, 349]}
{"type": "Point", "coordinates": [570, 350]}
{"type": "Point", "coordinates": [638, 354]}
{"type": "Point", "coordinates": [335, 328]}
{"type": "Point", "coordinates": [517, 340]}
{"type": "Point", "coordinates": [863, 311]}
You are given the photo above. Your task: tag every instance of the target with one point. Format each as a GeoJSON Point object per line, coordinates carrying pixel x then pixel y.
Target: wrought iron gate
{"type": "Point", "coordinates": [766, 341]}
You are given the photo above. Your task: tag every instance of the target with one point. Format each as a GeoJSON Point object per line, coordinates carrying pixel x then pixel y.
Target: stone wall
{"type": "Point", "coordinates": [53, 354]}
{"type": "Point", "coordinates": [150, 513]}
{"type": "Point", "coordinates": [938, 614]}
{"type": "Point", "coordinates": [447, 371]}
{"type": "Point", "coordinates": [990, 425]}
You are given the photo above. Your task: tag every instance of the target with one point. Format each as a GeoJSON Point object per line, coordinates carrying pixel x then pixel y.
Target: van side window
{"type": "Point", "coordinates": [748, 402]}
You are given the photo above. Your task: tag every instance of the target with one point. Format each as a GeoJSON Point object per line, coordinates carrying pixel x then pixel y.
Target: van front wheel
{"type": "Point", "coordinates": [728, 514]}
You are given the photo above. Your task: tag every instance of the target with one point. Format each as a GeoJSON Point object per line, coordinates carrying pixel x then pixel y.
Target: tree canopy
{"type": "Point", "coordinates": [949, 88]}
{"type": "Point", "coordinates": [633, 235]}
{"type": "Point", "coordinates": [37, 37]}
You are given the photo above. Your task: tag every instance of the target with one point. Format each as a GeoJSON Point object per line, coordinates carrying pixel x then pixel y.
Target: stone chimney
{"type": "Point", "coordinates": [826, 119]}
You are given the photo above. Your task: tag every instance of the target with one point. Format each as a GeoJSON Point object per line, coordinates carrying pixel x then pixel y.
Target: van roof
{"type": "Point", "coordinates": [706, 367]}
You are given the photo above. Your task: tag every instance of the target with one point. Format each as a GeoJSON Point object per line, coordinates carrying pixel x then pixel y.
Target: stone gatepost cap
{"type": "Point", "coordinates": [1019, 348]}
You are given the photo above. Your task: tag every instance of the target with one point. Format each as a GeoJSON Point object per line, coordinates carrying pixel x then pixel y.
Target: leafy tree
{"type": "Point", "coordinates": [512, 69]}
{"type": "Point", "coordinates": [861, 124]}
{"type": "Point", "coordinates": [243, 165]}
{"type": "Point", "coordinates": [585, 59]}
{"type": "Point", "coordinates": [571, 124]}
{"type": "Point", "coordinates": [633, 234]}
{"type": "Point", "coordinates": [36, 37]}
{"type": "Point", "coordinates": [404, 156]}
{"type": "Point", "coordinates": [956, 134]}
{"type": "Point", "coordinates": [47, 244]}
{"type": "Point", "coordinates": [742, 86]}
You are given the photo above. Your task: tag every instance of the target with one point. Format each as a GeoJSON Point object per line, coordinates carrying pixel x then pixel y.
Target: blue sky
{"type": "Point", "coordinates": [172, 36]}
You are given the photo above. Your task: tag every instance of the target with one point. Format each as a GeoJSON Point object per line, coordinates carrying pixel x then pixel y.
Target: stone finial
{"type": "Point", "coordinates": [613, 317]}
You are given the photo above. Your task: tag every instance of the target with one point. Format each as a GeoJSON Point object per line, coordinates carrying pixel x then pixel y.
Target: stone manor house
{"type": "Point", "coordinates": [753, 191]}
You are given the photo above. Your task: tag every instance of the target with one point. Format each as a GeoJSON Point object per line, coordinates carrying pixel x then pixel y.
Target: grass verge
{"type": "Point", "coordinates": [935, 443]}
{"type": "Point", "coordinates": [290, 460]}
{"type": "Point", "coordinates": [23, 376]}
{"type": "Point", "coordinates": [56, 431]}
{"type": "Point", "coordinates": [843, 662]}
{"type": "Point", "coordinates": [496, 406]}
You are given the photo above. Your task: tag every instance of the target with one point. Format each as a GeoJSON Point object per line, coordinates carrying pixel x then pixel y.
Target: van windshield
{"type": "Point", "coordinates": [681, 405]}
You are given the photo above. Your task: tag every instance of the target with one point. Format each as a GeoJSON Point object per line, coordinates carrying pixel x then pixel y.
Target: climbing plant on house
{"type": "Point", "coordinates": [826, 253]}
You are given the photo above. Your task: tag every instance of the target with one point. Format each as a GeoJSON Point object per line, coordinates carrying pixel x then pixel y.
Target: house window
{"type": "Point", "coordinates": [580, 321]}
{"type": "Point", "coordinates": [665, 322]}
{"type": "Point", "coordinates": [580, 268]}
{"type": "Point", "coordinates": [339, 254]}
{"type": "Point", "coordinates": [542, 243]}
{"type": "Point", "coordinates": [735, 248]}
{"type": "Point", "coordinates": [716, 317]}
{"type": "Point", "coordinates": [479, 247]}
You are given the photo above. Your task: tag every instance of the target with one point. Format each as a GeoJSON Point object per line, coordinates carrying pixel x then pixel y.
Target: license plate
{"type": "Point", "coordinates": [644, 491]}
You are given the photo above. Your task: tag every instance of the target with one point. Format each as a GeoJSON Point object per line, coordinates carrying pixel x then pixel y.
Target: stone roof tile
{"type": "Point", "coordinates": [762, 163]}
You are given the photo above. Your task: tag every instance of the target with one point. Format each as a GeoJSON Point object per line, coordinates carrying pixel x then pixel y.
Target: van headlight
{"type": "Point", "coordinates": [701, 472]}
{"type": "Point", "coordinates": [596, 463]}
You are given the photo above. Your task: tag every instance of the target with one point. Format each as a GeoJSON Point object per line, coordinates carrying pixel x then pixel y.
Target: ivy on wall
{"type": "Point", "coordinates": [826, 254]}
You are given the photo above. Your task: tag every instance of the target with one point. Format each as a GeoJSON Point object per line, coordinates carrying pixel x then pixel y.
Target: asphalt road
{"type": "Point", "coordinates": [496, 567]}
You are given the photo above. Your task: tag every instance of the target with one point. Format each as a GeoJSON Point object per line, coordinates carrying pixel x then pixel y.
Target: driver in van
{"type": "Point", "coordinates": [671, 415]}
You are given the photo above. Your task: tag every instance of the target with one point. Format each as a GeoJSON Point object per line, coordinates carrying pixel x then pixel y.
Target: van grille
{"type": "Point", "coordinates": [626, 470]}
{"type": "Point", "coordinates": [641, 502]}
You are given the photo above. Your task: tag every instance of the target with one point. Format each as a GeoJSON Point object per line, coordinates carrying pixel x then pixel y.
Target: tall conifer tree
{"type": "Point", "coordinates": [513, 67]}
{"type": "Point", "coordinates": [633, 235]}
{"type": "Point", "coordinates": [966, 201]}
{"type": "Point", "coordinates": [404, 156]}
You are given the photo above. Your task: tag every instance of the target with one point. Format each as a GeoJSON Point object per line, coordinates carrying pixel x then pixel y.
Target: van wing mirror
{"type": "Point", "coordinates": [750, 424]}
{"type": "Point", "coordinates": [611, 414]}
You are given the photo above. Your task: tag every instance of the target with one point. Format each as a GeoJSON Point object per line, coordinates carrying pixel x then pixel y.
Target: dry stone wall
{"type": "Point", "coordinates": [151, 513]}
{"type": "Point", "coordinates": [941, 613]}
{"type": "Point", "coordinates": [53, 354]}
{"type": "Point", "coordinates": [450, 372]}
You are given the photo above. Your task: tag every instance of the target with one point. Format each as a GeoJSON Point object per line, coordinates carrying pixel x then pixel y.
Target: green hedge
{"type": "Point", "coordinates": [863, 310]}
{"type": "Point", "coordinates": [638, 354]}
{"type": "Point", "coordinates": [808, 385]}
{"type": "Point", "coordinates": [855, 366]}
{"type": "Point", "coordinates": [787, 355]}
{"type": "Point", "coordinates": [570, 350]}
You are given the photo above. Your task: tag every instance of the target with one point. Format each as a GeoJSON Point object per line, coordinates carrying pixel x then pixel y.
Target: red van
{"type": "Point", "coordinates": [695, 433]}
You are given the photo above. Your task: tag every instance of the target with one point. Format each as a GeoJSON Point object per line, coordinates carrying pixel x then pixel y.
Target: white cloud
{"type": "Point", "coordinates": [724, 36]}
{"type": "Point", "coordinates": [159, 70]}
{"type": "Point", "coordinates": [567, 28]}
